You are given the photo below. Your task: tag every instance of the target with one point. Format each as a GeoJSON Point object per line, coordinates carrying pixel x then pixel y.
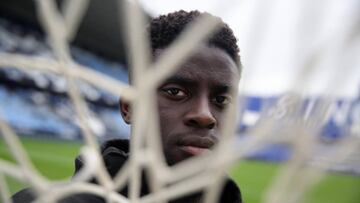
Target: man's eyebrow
{"type": "Point", "coordinates": [222, 88]}
{"type": "Point", "coordinates": [180, 80]}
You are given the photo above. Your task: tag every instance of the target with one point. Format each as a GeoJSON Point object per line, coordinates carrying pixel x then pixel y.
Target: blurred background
{"type": "Point", "coordinates": [273, 42]}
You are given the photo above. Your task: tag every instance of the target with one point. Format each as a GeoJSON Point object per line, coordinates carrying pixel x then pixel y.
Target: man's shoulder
{"type": "Point", "coordinates": [121, 145]}
{"type": "Point", "coordinates": [231, 192]}
{"type": "Point", "coordinates": [114, 152]}
{"type": "Point", "coordinates": [28, 195]}
{"type": "Point", "coordinates": [24, 196]}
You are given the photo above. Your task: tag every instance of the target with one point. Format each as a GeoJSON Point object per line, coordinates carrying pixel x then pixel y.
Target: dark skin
{"type": "Point", "coordinates": [192, 103]}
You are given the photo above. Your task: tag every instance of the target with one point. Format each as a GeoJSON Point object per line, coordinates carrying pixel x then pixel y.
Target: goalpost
{"type": "Point", "coordinates": [295, 126]}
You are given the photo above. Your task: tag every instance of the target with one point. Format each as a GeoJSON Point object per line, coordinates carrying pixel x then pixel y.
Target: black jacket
{"type": "Point", "coordinates": [115, 154]}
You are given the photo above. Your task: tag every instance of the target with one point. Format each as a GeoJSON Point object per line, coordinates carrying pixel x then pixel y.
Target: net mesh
{"type": "Point", "coordinates": [283, 121]}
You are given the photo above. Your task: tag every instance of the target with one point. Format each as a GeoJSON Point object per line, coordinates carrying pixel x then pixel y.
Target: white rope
{"type": "Point", "coordinates": [73, 11]}
{"type": "Point", "coordinates": [4, 190]}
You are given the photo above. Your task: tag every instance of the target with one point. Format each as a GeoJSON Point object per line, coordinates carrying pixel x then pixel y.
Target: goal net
{"type": "Point", "coordinates": [322, 37]}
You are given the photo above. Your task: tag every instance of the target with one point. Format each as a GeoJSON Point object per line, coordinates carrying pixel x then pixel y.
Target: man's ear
{"type": "Point", "coordinates": [125, 111]}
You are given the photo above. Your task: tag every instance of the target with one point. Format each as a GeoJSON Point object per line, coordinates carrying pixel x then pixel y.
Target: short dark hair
{"type": "Point", "coordinates": [164, 29]}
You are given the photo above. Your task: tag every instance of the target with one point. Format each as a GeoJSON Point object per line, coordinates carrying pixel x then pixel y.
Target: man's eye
{"type": "Point", "coordinates": [174, 92]}
{"type": "Point", "coordinates": [221, 100]}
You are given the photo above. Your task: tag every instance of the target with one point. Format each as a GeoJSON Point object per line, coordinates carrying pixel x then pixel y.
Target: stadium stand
{"type": "Point", "coordinates": [37, 103]}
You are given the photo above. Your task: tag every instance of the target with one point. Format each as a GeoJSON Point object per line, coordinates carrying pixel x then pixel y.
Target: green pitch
{"type": "Point", "coordinates": [55, 160]}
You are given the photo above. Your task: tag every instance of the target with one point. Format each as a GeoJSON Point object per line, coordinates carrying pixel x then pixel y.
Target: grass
{"type": "Point", "coordinates": [55, 160]}
{"type": "Point", "coordinates": [256, 177]}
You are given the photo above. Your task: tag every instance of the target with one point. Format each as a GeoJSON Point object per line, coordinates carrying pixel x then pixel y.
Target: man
{"type": "Point", "coordinates": [191, 104]}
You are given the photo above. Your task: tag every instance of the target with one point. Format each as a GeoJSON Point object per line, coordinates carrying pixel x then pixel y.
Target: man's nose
{"type": "Point", "coordinates": [200, 115]}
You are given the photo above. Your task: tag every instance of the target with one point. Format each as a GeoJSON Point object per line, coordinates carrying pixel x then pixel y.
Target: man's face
{"type": "Point", "coordinates": [192, 103]}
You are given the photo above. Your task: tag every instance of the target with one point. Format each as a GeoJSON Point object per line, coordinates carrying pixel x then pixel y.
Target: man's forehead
{"type": "Point", "coordinates": [203, 51]}
{"type": "Point", "coordinates": [206, 64]}
{"type": "Point", "coordinates": [216, 82]}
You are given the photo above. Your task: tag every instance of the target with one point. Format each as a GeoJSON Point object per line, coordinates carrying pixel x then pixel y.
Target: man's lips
{"type": "Point", "coordinates": [194, 151]}
{"type": "Point", "coordinates": [196, 145]}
